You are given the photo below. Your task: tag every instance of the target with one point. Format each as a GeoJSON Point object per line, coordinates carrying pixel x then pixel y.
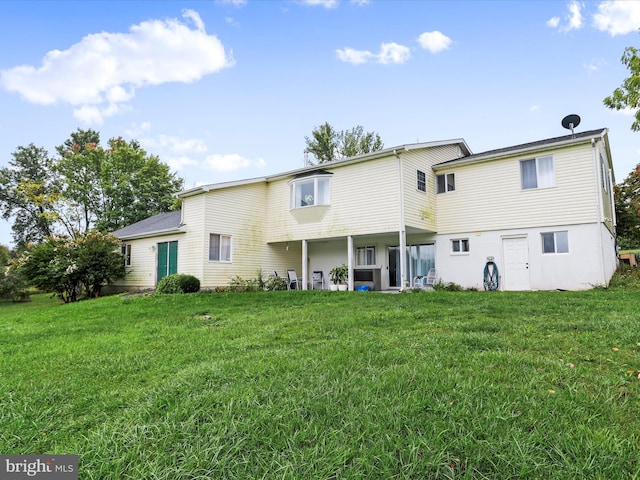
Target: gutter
{"type": "Point", "coordinates": [512, 153]}
{"type": "Point", "coordinates": [157, 233]}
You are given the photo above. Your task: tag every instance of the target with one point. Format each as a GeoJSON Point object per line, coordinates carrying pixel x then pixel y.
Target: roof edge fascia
{"type": "Point", "coordinates": [371, 156]}
{"type": "Point", "coordinates": [156, 233]}
{"type": "Point", "coordinates": [512, 153]}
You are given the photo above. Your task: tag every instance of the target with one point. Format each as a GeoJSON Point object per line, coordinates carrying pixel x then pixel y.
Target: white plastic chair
{"type": "Point", "coordinates": [317, 277]}
{"type": "Point", "coordinates": [292, 280]}
{"type": "Point", "coordinates": [425, 281]}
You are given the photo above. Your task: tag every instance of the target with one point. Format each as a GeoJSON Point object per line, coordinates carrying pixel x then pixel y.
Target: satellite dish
{"type": "Point", "coordinates": [571, 121]}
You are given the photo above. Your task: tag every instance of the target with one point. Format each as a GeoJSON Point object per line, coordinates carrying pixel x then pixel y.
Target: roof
{"type": "Point", "coordinates": [312, 169]}
{"type": "Point", "coordinates": [168, 222]}
{"type": "Point", "coordinates": [527, 147]}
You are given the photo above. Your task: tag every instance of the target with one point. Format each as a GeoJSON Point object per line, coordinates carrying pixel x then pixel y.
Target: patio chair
{"type": "Point", "coordinates": [425, 281]}
{"type": "Point", "coordinates": [317, 277]}
{"type": "Point", "coordinates": [292, 280]}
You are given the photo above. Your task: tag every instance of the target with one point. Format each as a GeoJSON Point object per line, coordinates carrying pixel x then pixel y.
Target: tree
{"type": "Point", "coordinates": [627, 203]}
{"type": "Point", "coordinates": [4, 256]}
{"type": "Point", "coordinates": [113, 187]}
{"type": "Point", "coordinates": [29, 193]}
{"type": "Point", "coordinates": [70, 266]}
{"type": "Point", "coordinates": [86, 187]}
{"type": "Point", "coordinates": [628, 94]}
{"type": "Point", "coordinates": [327, 145]}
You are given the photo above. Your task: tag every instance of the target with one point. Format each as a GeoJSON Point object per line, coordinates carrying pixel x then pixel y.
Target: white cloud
{"type": "Point", "coordinates": [322, 3]}
{"type": "Point", "coordinates": [174, 144]}
{"type": "Point", "coordinates": [575, 16]}
{"type": "Point", "coordinates": [572, 20]}
{"type": "Point", "coordinates": [594, 65]}
{"type": "Point", "coordinates": [389, 53]}
{"type": "Point", "coordinates": [178, 163]}
{"type": "Point", "coordinates": [534, 108]}
{"type": "Point", "coordinates": [434, 41]}
{"type": "Point", "coordinates": [235, 3]}
{"type": "Point", "coordinates": [355, 57]}
{"type": "Point", "coordinates": [617, 17]}
{"type": "Point", "coordinates": [393, 53]}
{"type": "Point", "coordinates": [180, 153]}
{"type": "Point", "coordinates": [553, 22]}
{"type": "Point", "coordinates": [99, 74]}
{"type": "Point", "coordinates": [231, 162]}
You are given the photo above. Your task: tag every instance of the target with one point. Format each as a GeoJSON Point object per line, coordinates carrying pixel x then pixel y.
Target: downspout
{"type": "Point", "coordinates": [402, 232]}
{"type": "Point", "coordinates": [598, 172]}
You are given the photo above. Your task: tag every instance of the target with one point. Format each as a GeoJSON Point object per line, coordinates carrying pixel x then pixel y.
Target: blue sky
{"type": "Point", "coordinates": [225, 90]}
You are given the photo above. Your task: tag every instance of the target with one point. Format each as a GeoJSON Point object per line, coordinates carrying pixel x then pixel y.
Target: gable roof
{"type": "Point", "coordinates": [321, 168]}
{"type": "Point", "coordinates": [162, 223]}
{"type": "Point", "coordinates": [539, 145]}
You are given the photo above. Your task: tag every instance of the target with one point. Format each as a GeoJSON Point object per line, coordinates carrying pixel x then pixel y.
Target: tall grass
{"type": "Point", "coordinates": [302, 385]}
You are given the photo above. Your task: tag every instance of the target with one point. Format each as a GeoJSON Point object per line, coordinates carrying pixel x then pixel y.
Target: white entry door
{"type": "Point", "coordinates": [516, 263]}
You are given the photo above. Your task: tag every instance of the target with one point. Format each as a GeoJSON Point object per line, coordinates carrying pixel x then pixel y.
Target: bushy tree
{"type": "Point", "coordinates": [328, 145]}
{"type": "Point", "coordinates": [627, 202]}
{"type": "Point", "coordinates": [85, 187]}
{"type": "Point", "coordinates": [69, 267]}
{"type": "Point", "coordinates": [116, 186]}
{"type": "Point", "coordinates": [29, 194]}
{"type": "Point", "coordinates": [627, 96]}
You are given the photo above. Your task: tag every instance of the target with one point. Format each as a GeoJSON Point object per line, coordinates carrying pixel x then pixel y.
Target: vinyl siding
{"type": "Point", "coordinates": [489, 196]}
{"type": "Point", "coordinates": [364, 200]}
{"type": "Point", "coordinates": [607, 206]}
{"type": "Point", "coordinates": [190, 250]}
{"type": "Point", "coordinates": [239, 212]}
{"type": "Point", "coordinates": [420, 207]}
{"type": "Point", "coordinates": [142, 272]}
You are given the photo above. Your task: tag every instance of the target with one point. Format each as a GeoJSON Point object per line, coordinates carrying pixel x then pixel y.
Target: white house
{"type": "Point", "coordinates": [542, 212]}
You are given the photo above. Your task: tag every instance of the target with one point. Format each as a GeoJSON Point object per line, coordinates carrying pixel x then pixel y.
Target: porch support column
{"type": "Point", "coordinates": [402, 233]}
{"type": "Point", "coordinates": [304, 264]}
{"type": "Point", "coordinates": [350, 262]}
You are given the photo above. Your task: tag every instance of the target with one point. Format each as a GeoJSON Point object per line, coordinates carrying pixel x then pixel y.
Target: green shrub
{"type": "Point", "coordinates": [13, 286]}
{"type": "Point", "coordinates": [178, 283]}
{"type": "Point", "coordinates": [189, 284]}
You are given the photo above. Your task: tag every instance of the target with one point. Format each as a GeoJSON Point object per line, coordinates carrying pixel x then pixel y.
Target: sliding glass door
{"type": "Point", "coordinates": [418, 260]}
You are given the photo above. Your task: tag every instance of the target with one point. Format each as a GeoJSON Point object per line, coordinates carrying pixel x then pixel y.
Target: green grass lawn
{"type": "Point", "coordinates": [320, 385]}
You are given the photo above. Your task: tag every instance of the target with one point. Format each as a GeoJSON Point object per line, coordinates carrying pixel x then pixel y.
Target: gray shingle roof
{"type": "Point", "coordinates": [529, 146]}
{"type": "Point", "coordinates": [163, 222]}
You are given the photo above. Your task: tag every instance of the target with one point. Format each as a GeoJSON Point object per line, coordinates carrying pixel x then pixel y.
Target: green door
{"type": "Point", "coordinates": [167, 259]}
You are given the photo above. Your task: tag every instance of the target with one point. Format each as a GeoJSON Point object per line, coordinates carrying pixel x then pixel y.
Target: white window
{"type": "Point", "coordinates": [421, 181]}
{"type": "Point", "coordinates": [446, 183]}
{"type": "Point", "coordinates": [460, 245]}
{"type": "Point", "coordinates": [219, 248]}
{"type": "Point", "coordinates": [125, 249]}
{"type": "Point", "coordinates": [537, 173]}
{"type": "Point", "coordinates": [365, 256]}
{"type": "Point", "coordinates": [555, 242]}
{"type": "Point", "coordinates": [310, 191]}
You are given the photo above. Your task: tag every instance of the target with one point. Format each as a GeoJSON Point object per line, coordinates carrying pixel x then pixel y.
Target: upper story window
{"type": "Point", "coordinates": [219, 248]}
{"type": "Point", "coordinates": [365, 256]}
{"type": "Point", "coordinates": [310, 191]}
{"type": "Point", "coordinates": [446, 183]}
{"type": "Point", "coordinates": [421, 181]}
{"type": "Point", "coordinates": [537, 173]}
